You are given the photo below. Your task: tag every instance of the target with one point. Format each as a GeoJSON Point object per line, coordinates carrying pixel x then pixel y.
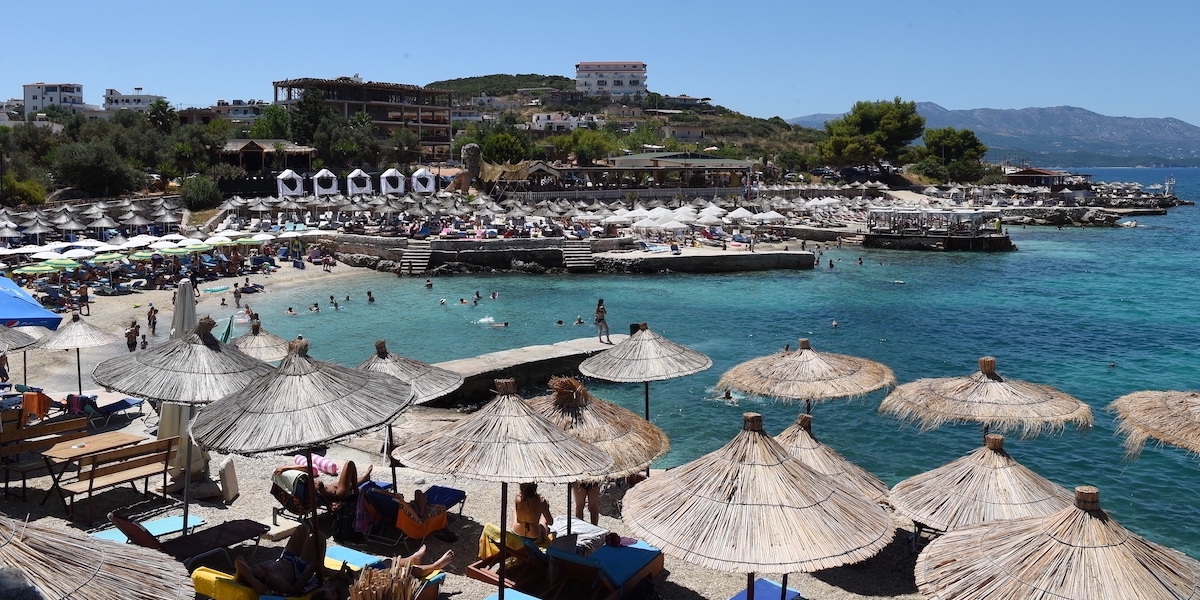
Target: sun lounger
{"type": "Point", "coordinates": [189, 548]}
{"type": "Point", "coordinates": [615, 570]}
{"type": "Point", "coordinates": [156, 528]}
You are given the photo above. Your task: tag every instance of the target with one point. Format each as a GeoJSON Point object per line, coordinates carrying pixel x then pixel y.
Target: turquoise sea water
{"type": "Point", "coordinates": [1056, 312]}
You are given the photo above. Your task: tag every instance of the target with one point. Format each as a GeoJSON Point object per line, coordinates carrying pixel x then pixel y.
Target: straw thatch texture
{"type": "Point", "coordinates": [393, 583]}
{"type": "Point", "coordinates": [644, 356]}
{"type": "Point", "coordinates": [1169, 417]}
{"type": "Point", "coordinates": [752, 507]}
{"type": "Point", "coordinates": [631, 441]}
{"type": "Point", "coordinates": [13, 339]}
{"type": "Point", "coordinates": [802, 444]}
{"type": "Point", "coordinates": [193, 370]}
{"type": "Point", "coordinates": [261, 344]}
{"type": "Point", "coordinates": [301, 404]}
{"type": "Point", "coordinates": [1078, 553]}
{"type": "Point", "coordinates": [76, 334]}
{"type": "Point", "coordinates": [506, 441]}
{"type": "Point", "coordinates": [805, 374]}
{"type": "Point", "coordinates": [65, 564]}
{"type": "Point", "coordinates": [985, 485]}
{"type": "Point", "coordinates": [985, 397]}
{"type": "Point", "coordinates": [428, 382]}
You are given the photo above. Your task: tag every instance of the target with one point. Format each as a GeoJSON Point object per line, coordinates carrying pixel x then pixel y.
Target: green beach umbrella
{"type": "Point", "coordinates": [61, 263]}
{"type": "Point", "coordinates": [175, 251]}
{"type": "Point", "coordinates": [248, 242]}
{"type": "Point", "coordinates": [109, 257]}
{"type": "Point", "coordinates": [142, 255]}
{"type": "Point", "coordinates": [198, 247]}
{"type": "Point", "coordinates": [39, 269]}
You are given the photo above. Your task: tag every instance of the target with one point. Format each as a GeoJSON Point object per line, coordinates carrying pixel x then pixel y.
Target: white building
{"type": "Point", "coordinates": [611, 78]}
{"type": "Point", "coordinates": [67, 95]}
{"type": "Point", "coordinates": [240, 111]}
{"type": "Point", "coordinates": [137, 101]}
{"type": "Point", "coordinates": [564, 122]}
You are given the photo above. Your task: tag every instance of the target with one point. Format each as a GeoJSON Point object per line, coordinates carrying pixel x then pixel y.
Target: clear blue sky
{"type": "Point", "coordinates": [767, 58]}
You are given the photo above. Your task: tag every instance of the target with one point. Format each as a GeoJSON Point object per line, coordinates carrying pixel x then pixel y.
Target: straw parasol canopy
{"type": "Point", "coordinates": [986, 397]}
{"type": "Point", "coordinates": [302, 404]}
{"type": "Point", "coordinates": [261, 344]}
{"type": "Point", "coordinates": [1170, 417]}
{"type": "Point", "coordinates": [798, 439]}
{"type": "Point", "coordinates": [751, 506]}
{"type": "Point", "coordinates": [428, 382]}
{"type": "Point", "coordinates": [985, 485]}
{"type": "Point", "coordinates": [807, 375]}
{"type": "Point", "coordinates": [14, 339]}
{"type": "Point", "coordinates": [643, 357]}
{"type": "Point", "coordinates": [74, 335]}
{"type": "Point", "coordinates": [65, 564]}
{"type": "Point", "coordinates": [1077, 553]}
{"type": "Point", "coordinates": [631, 441]}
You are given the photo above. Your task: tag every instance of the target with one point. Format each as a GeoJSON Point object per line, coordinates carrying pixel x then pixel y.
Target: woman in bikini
{"type": "Point", "coordinates": [601, 321]}
{"type": "Point", "coordinates": [531, 514]}
{"type": "Point", "coordinates": [347, 483]}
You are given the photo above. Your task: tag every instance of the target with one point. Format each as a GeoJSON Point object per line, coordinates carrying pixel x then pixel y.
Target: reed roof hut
{"type": "Point", "coordinates": [798, 439]}
{"type": "Point", "coordinates": [261, 344]}
{"type": "Point", "coordinates": [1077, 553]}
{"type": "Point", "coordinates": [15, 339]}
{"type": "Point", "coordinates": [428, 382]}
{"type": "Point", "coordinates": [77, 334]}
{"type": "Point", "coordinates": [67, 564]}
{"type": "Point", "coordinates": [643, 357]}
{"type": "Point", "coordinates": [985, 485]}
{"type": "Point", "coordinates": [986, 397]}
{"type": "Point", "coordinates": [1169, 417]}
{"type": "Point", "coordinates": [808, 375]}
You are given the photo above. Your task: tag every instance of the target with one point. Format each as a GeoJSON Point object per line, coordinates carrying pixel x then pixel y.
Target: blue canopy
{"type": "Point", "coordinates": [18, 308]}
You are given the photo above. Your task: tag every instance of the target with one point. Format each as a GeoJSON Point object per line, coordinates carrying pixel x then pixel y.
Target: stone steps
{"type": "Point", "coordinates": [577, 256]}
{"type": "Point", "coordinates": [416, 258]}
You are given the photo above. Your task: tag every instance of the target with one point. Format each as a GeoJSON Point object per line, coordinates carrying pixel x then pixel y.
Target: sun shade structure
{"type": "Point", "coordinates": [261, 344]}
{"type": "Point", "coordinates": [808, 375]}
{"type": "Point", "coordinates": [985, 485]}
{"type": "Point", "coordinates": [631, 441]}
{"type": "Point", "coordinates": [798, 439]}
{"type": "Point", "coordinates": [1077, 553]}
{"type": "Point", "coordinates": [1169, 417]}
{"type": "Point", "coordinates": [987, 398]}
{"type": "Point", "coordinates": [752, 507]}
{"type": "Point", "coordinates": [66, 564]}
{"type": "Point", "coordinates": [506, 441]}
{"type": "Point", "coordinates": [643, 357]}
{"type": "Point", "coordinates": [74, 335]}
{"type": "Point", "coordinates": [428, 382]}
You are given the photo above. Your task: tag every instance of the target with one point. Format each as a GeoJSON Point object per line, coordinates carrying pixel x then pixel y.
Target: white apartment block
{"type": "Point", "coordinates": [137, 101]}
{"type": "Point", "coordinates": [67, 95]}
{"type": "Point", "coordinates": [611, 78]}
{"type": "Point", "coordinates": [564, 122]}
{"type": "Point", "coordinates": [240, 111]}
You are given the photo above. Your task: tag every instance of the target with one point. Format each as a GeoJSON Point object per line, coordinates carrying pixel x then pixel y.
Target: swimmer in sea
{"type": "Point", "coordinates": [442, 301]}
{"type": "Point", "coordinates": [559, 322]}
{"type": "Point", "coordinates": [314, 308]}
{"type": "Point", "coordinates": [289, 311]}
{"type": "Point", "coordinates": [835, 324]}
{"type": "Point", "coordinates": [495, 295]}
{"type": "Point", "coordinates": [370, 298]}
{"type": "Point", "coordinates": [428, 284]}
{"type": "Point", "coordinates": [578, 320]}
{"type": "Point", "coordinates": [504, 324]}
{"type": "Point", "coordinates": [462, 300]}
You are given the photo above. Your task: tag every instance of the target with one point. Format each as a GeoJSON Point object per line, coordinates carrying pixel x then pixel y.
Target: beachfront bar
{"type": "Point", "coordinates": [936, 229]}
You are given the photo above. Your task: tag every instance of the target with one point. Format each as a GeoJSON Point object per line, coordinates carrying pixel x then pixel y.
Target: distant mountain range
{"type": "Point", "coordinates": [1063, 135]}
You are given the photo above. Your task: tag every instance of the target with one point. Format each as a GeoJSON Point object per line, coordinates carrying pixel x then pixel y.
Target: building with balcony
{"type": "Point", "coordinates": [137, 101]}
{"type": "Point", "coordinates": [610, 78]}
{"type": "Point", "coordinates": [683, 133]}
{"type": "Point", "coordinates": [390, 106]}
{"type": "Point", "coordinates": [564, 122]}
{"type": "Point", "coordinates": [67, 95]}
{"type": "Point", "coordinates": [240, 111]}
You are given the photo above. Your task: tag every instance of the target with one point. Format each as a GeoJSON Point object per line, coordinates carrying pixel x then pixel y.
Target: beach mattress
{"type": "Point", "coordinates": [222, 586]}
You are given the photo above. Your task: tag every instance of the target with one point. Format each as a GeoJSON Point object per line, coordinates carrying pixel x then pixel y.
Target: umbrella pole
{"type": "Point", "coordinates": [783, 589]}
{"type": "Point", "coordinates": [503, 534]}
{"type": "Point", "coordinates": [570, 509]}
{"type": "Point", "coordinates": [25, 367]}
{"type": "Point", "coordinates": [647, 400]}
{"type": "Point", "coordinates": [750, 585]}
{"type": "Point", "coordinates": [387, 451]}
{"type": "Point", "coordinates": [186, 476]}
{"type": "Point", "coordinates": [79, 370]}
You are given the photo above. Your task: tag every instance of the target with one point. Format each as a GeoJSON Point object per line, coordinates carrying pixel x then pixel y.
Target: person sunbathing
{"type": "Point", "coordinates": [346, 485]}
{"type": "Point", "coordinates": [419, 504]}
{"type": "Point", "coordinates": [531, 513]}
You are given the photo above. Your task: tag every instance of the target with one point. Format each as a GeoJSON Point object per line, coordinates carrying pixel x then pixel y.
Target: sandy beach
{"type": "Point", "coordinates": [888, 575]}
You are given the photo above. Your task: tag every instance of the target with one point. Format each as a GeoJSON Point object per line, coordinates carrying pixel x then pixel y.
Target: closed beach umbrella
{"type": "Point", "coordinates": [643, 357]}
{"type": "Point", "coordinates": [1169, 417]}
{"type": "Point", "coordinates": [985, 485]}
{"type": "Point", "coordinates": [506, 441]}
{"type": "Point", "coordinates": [752, 507]}
{"type": "Point", "coordinates": [261, 344]}
{"type": "Point", "coordinates": [428, 382]}
{"type": "Point", "coordinates": [62, 563]}
{"type": "Point", "coordinates": [74, 335]}
{"type": "Point", "coordinates": [799, 440]}
{"type": "Point", "coordinates": [808, 375]}
{"type": "Point", "coordinates": [987, 398]}
{"type": "Point", "coordinates": [1077, 553]}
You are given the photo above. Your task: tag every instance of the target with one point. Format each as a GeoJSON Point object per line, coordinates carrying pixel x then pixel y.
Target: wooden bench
{"type": "Point", "coordinates": [112, 468]}
{"type": "Point", "coordinates": [33, 439]}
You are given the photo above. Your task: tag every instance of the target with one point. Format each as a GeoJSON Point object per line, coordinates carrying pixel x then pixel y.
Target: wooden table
{"type": "Point", "coordinates": [70, 451]}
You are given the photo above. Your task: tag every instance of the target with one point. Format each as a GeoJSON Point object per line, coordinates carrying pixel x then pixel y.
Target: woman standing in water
{"type": "Point", "coordinates": [602, 322]}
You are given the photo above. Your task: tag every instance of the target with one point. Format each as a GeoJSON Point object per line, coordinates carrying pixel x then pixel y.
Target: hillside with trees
{"type": "Point", "coordinates": [501, 85]}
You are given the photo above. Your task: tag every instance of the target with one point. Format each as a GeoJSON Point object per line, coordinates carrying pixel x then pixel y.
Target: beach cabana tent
{"type": "Point", "coordinates": [358, 182]}
{"type": "Point", "coordinates": [392, 182]}
{"type": "Point", "coordinates": [18, 308]}
{"type": "Point", "coordinates": [423, 182]}
{"type": "Point", "coordinates": [325, 183]}
{"type": "Point", "coordinates": [288, 183]}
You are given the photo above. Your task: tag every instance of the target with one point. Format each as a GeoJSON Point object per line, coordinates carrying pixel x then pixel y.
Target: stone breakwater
{"type": "Point", "coordinates": [1061, 216]}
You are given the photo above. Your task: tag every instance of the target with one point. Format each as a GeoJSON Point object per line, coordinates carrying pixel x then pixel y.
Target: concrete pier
{"type": "Point", "coordinates": [531, 366]}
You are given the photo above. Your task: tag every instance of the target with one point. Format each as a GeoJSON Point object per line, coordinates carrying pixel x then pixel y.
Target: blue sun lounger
{"type": "Point", "coordinates": [157, 528]}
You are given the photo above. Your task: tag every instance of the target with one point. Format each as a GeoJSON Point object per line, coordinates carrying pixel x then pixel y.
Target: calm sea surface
{"type": "Point", "coordinates": [1056, 312]}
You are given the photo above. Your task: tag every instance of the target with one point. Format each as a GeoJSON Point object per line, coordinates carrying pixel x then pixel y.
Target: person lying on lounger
{"type": "Point", "coordinates": [347, 483]}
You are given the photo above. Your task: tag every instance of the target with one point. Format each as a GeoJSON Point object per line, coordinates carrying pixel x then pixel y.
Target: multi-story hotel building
{"type": "Point", "coordinates": [610, 78]}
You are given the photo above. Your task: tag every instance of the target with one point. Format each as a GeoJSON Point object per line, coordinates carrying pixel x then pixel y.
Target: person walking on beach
{"type": "Point", "coordinates": [602, 322]}
{"type": "Point", "coordinates": [237, 295]}
{"type": "Point", "coordinates": [131, 338]}
{"type": "Point", "coordinates": [84, 291]}
{"type": "Point", "coordinates": [152, 319]}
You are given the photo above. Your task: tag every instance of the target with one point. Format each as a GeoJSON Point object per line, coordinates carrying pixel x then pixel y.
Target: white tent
{"type": "Point", "coordinates": [358, 182]}
{"type": "Point", "coordinates": [423, 182]}
{"type": "Point", "coordinates": [392, 182]}
{"type": "Point", "coordinates": [289, 184]}
{"type": "Point", "coordinates": [740, 213]}
{"type": "Point", "coordinates": [325, 183]}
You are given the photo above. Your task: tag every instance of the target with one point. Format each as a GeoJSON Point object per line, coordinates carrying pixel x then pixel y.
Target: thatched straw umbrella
{"type": "Point", "coordinates": [428, 382]}
{"type": "Point", "coordinates": [506, 441]}
{"type": "Point", "coordinates": [15, 339]}
{"type": "Point", "coordinates": [986, 397]}
{"type": "Point", "coordinates": [643, 357]}
{"type": "Point", "coordinates": [808, 375]}
{"type": "Point", "coordinates": [1170, 417]}
{"type": "Point", "coordinates": [261, 344]}
{"type": "Point", "coordinates": [75, 335]}
{"type": "Point", "coordinates": [65, 564]}
{"type": "Point", "coordinates": [985, 485]}
{"type": "Point", "coordinates": [752, 507]}
{"type": "Point", "coordinates": [799, 440]}
{"type": "Point", "coordinates": [1077, 553]}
